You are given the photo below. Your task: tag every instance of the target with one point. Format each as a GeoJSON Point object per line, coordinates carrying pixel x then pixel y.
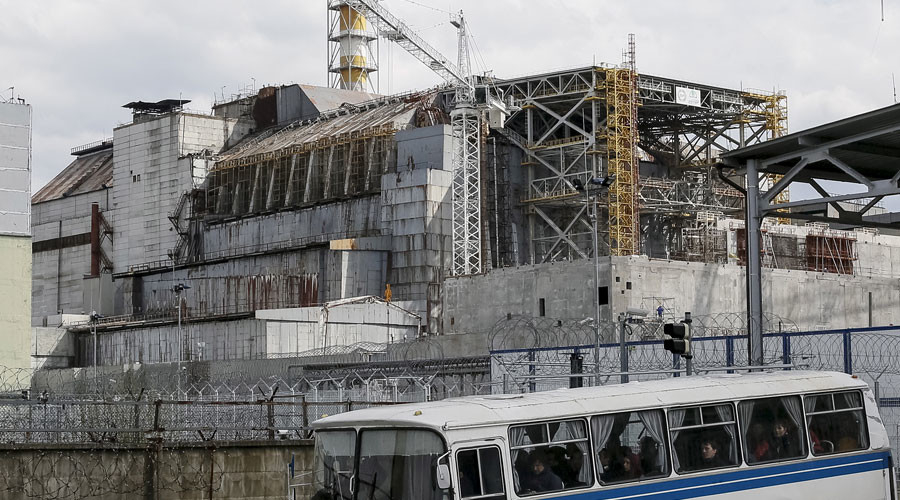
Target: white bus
{"type": "Point", "coordinates": [790, 434]}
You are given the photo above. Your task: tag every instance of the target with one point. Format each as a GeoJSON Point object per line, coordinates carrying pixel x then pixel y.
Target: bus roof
{"type": "Point", "coordinates": [474, 411]}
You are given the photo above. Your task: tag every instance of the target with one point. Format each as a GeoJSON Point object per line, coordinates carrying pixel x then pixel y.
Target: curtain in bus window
{"type": "Point", "coordinates": [653, 422]}
{"type": "Point", "coordinates": [724, 415]}
{"type": "Point", "coordinates": [517, 438]}
{"type": "Point", "coordinates": [676, 418]}
{"type": "Point", "coordinates": [602, 426]}
{"type": "Point", "coordinates": [792, 407]}
{"type": "Point", "coordinates": [568, 431]}
{"type": "Point", "coordinates": [751, 437]}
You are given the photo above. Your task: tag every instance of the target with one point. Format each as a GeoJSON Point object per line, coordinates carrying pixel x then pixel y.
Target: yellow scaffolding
{"type": "Point", "coordinates": [772, 107]}
{"type": "Point", "coordinates": [621, 123]}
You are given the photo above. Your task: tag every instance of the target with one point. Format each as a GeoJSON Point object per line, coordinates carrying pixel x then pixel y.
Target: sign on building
{"type": "Point", "coordinates": [690, 97]}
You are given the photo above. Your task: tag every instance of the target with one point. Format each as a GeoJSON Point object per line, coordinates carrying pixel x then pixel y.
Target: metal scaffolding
{"type": "Point", "coordinates": [771, 107]}
{"type": "Point", "coordinates": [575, 124]}
{"type": "Point", "coordinates": [621, 139]}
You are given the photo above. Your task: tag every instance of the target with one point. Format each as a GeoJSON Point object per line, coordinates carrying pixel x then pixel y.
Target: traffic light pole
{"type": "Point", "coordinates": [623, 351]}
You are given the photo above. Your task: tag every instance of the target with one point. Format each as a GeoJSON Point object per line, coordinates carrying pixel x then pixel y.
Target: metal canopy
{"type": "Point", "coordinates": [863, 150]}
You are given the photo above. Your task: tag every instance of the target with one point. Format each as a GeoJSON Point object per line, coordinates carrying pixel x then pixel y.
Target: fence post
{"type": "Point", "coordinates": [729, 352]}
{"type": "Point", "coordinates": [270, 416]}
{"type": "Point", "coordinates": [848, 353]}
{"type": "Point", "coordinates": [304, 416]}
{"type": "Point", "coordinates": [786, 349]}
{"type": "Point", "coordinates": [531, 370]}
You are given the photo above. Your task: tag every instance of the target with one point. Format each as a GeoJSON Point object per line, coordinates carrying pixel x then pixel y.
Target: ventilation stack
{"type": "Point", "coordinates": [351, 59]}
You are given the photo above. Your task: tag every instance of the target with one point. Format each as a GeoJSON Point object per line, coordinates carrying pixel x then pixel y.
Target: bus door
{"type": "Point", "coordinates": [479, 472]}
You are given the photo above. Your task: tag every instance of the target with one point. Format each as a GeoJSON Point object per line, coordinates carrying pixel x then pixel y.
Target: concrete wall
{"type": "Point", "coordinates": [291, 331]}
{"type": "Point", "coordinates": [207, 340]}
{"type": "Point", "coordinates": [417, 209]}
{"type": "Point", "coordinates": [58, 274]}
{"type": "Point", "coordinates": [15, 302]}
{"type": "Point", "coordinates": [253, 470]}
{"type": "Point", "coordinates": [15, 235]}
{"type": "Point", "coordinates": [475, 303]}
{"type": "Point", "coordinates": [52, 347]}
{"type": "Point", "coordinates": [148, 180]}
{"type": "Point", "coordinates": [811, 300]}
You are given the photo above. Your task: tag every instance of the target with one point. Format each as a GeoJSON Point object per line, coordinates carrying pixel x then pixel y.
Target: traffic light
{"type": "Point", "coordinates": [680, 341]}
{"type": "Point", "coordinates": [576, 364]}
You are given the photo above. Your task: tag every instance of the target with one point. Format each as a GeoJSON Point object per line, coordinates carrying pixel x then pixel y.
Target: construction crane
{"type": "Point", "coordinates": [465, 117]}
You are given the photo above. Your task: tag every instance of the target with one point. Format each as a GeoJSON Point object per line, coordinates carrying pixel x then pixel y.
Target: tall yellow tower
{"type": "Point", "coordinates": [351, 59]}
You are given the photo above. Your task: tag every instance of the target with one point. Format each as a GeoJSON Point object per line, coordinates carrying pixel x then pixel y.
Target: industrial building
{"type": "Point", "coordinates": [15, 233]}
{"type": "Point", "coordinates": [300, 217]}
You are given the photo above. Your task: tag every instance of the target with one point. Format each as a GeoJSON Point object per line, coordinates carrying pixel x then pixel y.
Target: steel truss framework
{"type": "Point", "coordinates": [860, 150]}
{"type": "Point", "coordinates": [465, 123]}
{"type": "Point", "coordinates": [563, 126]}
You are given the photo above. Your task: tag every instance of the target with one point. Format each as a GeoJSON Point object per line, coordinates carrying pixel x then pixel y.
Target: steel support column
{"type": "Point", "coordinates": [754, 267]}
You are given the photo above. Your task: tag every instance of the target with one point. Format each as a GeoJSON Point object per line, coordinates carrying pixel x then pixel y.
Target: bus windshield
{"type": "Point", "coordinates": [399, 464]}
{"type": "Point", "coordinates": [394, 464]}
{"type": "Point", "coordinates": [334, 464]}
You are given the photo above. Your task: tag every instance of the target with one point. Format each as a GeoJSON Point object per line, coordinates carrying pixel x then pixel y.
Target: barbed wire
{"type": "Point", "coordinates": [85, 432]}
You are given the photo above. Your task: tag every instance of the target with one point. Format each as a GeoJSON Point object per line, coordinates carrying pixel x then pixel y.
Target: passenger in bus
{"type": "Point", "coordinates": [603, 460]}
{"type": "Point", "coordinates": [848, 429]}
{"type": "Point", "coordinates": [710, 457]}
{"type": "Point", "coordinates": [523, 466]}
{"type": "Point", "coordinates": [784, 444]}
{"type": "Point", "coordinates": [542, 478]}
{"type": "Point", "coordinates": [556, 458]}
{"type": "Point", "coordinates": [758, 440]}
{"type": "Point", "coordinates": [635, 460]}
{"type": "Point", "coordinates": [628, 470]}
{"type": "Point", "coordinates": [574, 462]}
{"type": "Point", "coordinates": [817, 446]}
{"type": "Point", "coordinates": [650, 456]}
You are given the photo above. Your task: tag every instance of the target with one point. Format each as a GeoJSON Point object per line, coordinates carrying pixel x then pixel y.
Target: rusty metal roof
{"type": "Point", "coordinates": [390, 113]}
{"type": "Point", "coordinates": [89, 172]}
{"type": "Point", "coordinates": [326, 99]}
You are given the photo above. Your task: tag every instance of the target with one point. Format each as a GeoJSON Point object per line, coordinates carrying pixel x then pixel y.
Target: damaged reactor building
{"type": "Point", "coordinates": [299, 217]}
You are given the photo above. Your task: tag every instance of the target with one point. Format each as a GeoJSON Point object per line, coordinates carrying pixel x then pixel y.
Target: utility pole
{"type": "Point", "coordinates": [593, 188]}
{"type": "Point", "coordinates": [178, 289]}
{"type": "Point", "coordinates": [94, 318]}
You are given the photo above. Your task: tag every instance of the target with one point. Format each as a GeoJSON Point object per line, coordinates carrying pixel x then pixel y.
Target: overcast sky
{"type": "Point", "coordinates": [78, 62]}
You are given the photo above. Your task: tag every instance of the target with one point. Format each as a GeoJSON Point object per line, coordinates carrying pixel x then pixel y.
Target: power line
{"type": "Point", "coordinates": [429, 7]}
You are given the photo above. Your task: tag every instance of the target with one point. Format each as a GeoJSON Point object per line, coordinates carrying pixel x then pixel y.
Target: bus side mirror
{"type": "Point", "coordinates": [442, 473]}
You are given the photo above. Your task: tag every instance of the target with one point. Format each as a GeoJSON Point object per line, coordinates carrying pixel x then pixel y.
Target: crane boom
{"type": "Point", "coordinates": [397, 31]}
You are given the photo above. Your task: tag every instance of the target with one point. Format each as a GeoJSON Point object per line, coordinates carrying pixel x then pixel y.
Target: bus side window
{"type": "Point", "coordinates": [837, 422]}
{"type": "Point", "coordinates": [630, 446]}
{"type": "Point", "coordinates": [480, 473]}
{"type": "Point", "coordinates": [703, 438]}
{"type": "Point", "coordinates": [772, 429]}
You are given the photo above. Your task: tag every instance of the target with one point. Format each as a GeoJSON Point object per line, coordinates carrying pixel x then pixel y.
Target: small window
{"type": "Point", "coordinates": [550, 456]}
{"type": "Point", "coordinates": [542, 307]}
{"type": "Point", "coordinates": [836, 422]}
{"type": "Point", "coordinates": [630, 446]}
{"type": "Point", "coordinates": [703, 438]}
{"type": "Point", "coordinates": [480, 474]}
{"type": "Point", "coordinates": [772, 429]}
